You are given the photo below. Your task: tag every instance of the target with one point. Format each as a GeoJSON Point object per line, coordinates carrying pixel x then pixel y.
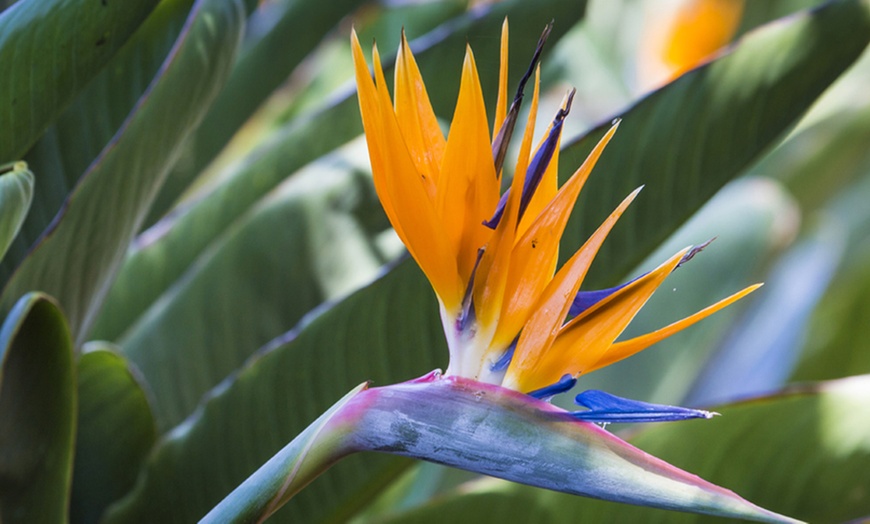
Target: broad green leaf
{"type": "Point", "coordinates": [751, 220]}
{"type": "Point", "coordinates": [164, 252]}
{"type": "Point", "coordinates": [761, 352]}
{"type": "Point", "coordinates": [16, 193]}
{"type": "Point", "coordinates": [687, 139]}
{"type": "Point", "coordinates": [811, 445]}
{"type": "Point", "coordinates": [115, 431]}
{"type": "Point", "coordinates": [836, 343]}
{"type": "Point", "coordinates": [37, 412]}
{"type": "Point", "coordinates": [387, 333]}
{"type": "Point", "coordinates": [302, 245]}
{"type": "Point", "coordinates": [82, 250]}
{"type": "Point", "coordinates": [76, 139]}
{"type": "Point", "coordinates": [50, 49]}
{"type": "Point", "coordinates": [294, 30]}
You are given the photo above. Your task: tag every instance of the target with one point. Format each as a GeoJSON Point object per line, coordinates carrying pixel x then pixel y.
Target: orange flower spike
{"type": "Point", "coordinates": [417, 121]}
{"type": "Point", "coordinates": [371, 117]}
{"type": "Point", "coordinates": [532, 257]}
{"type": "Point", "coordinates": [501, 104]}
{"type": "Point", "coordinates": [401, 188]}
{"type": "Point", "coordinates": [627, 348]}
{"type": "Point", "coordinates": [542, 328]}
{"type": "Point", "coordinates": [493, 272]}
{"type": "Point", "coordinates": [585, 339]}
{"type": "Point", "coordinates": [468, 189]}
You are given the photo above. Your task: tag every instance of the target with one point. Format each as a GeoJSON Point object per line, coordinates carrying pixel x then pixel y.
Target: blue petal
{"type": "Point", "coordinates": [604, 407]}
{"type": "Point", "coordinates": [537, 168]}
{"type": "Point", "coordinates": [542, 158]}
{"type": "Point", "coordinates": [546, 393]}
{"type": "Point", "coordinates": [586, 299]}
{"type": "Point", "coordinates": [499, 211]}
{"type": "Point", "coordinates": [505, 360]}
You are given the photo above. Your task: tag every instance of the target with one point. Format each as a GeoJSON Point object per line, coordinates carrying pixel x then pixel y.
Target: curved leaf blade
{"type": "Point", "coordinates": [115, 431]}
{"type": "Point", "coordinates": [296, 29]}
{"type": "Point", "coordinates": [37, 412]}
{"type": "Point", "coordinates": [34, 92]}
{"type": "Point", "coordinates": [16, 194]}
{"type": "Point", "coordinates": [114, 194]}
{"type": "Point", "coordinates": [301, 246]}
{"type": "Point", "coordinates": [271, 400]}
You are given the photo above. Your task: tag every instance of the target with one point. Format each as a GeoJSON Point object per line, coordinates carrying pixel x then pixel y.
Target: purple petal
{"type": "Point", "coordinates": [604, 407]}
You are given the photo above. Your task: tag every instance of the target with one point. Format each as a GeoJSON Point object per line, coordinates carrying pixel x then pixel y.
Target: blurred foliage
{"type": "Point", "coordinates": [186, 179]}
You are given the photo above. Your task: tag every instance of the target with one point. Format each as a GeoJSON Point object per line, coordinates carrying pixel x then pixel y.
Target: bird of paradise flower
{"type": "Point", "coordinates": [510, 319]}
{"type": "Point", "coordinates": [519, 332]}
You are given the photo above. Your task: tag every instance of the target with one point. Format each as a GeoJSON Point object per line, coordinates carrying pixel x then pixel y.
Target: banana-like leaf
{"type": "Point", "coordinates": [386, 333]}
{"type": "Point", "coordinates": [294, 30]}
{"type": "Point", "coordinates": [115, 431]}
{"type": "Point", "coordinates": [303, 245]}
{"type": "Point", "coordinates": [71, 144]}
{"type": "Point", "coordinates": [812, 444]}
{"type": "Point", "coordinates": [37, 412]}
{"type": "Point", "coordinates": [486, 429]}
{"type": "Point", "coordinates": [689, 138]}
{"type": "Point", "coordinates": [16, 193]}
{"type": "Point", "coordinates": [50, 49]}
{"type": "Point", "coordinates": [163, 253]}
{"type": "Point", "coordinates": [759, 354]}
{"type": "Point", "coordinates": [78, 255]}
{"type": "Point", "coordinates": [838, 332]}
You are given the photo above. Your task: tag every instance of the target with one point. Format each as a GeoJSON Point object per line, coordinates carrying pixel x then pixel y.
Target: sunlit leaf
{"type": "Point", "coordinates": [111, 197]}
{"type": "Point", "coordinates": [46, 63]}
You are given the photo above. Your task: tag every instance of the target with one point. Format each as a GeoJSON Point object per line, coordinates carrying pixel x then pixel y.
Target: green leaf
{"type": "Point", "coordinates": [37, 412]}
{"type": "Point", "coordinates": [164, 252]}
{"type": "Point", "coordinates": [301, 246]}
{"type": "Point", "coordinates": [115, 431]}
{"type": "Point", "coordinates": [761, 352]}
{"type": "Point", "coordinates": [687, 139]}
{"type": "Point", "coordinates": [295, 29]}
{"type": "Point", "coordinates": [80, 253]}
{"type": "Point", "coordinates": [812, 445]}
{"type": "Point", "coordinates": [72, 40]}
{"type": "Point", "coordinates": [833, 348]}
{"type": "Point", "coordinates": [387, 333]}
{"type": "Point", "coordinates": [16, 193]}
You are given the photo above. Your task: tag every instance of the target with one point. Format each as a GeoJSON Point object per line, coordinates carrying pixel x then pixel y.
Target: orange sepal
{"type": "Point", "coordinates": [501, 103]}
{"type": "Point", "coordinates": [400, 187]}
{"type": "Point", "coordinates": [583, 340]}
{"type": "Point", "coordinates": [533, 256]}
{"type": "Point", "coordinates": [420, 129]}
{"type": "Point", "coordinates": [467, 186]}
{"type": "Point", "coordinates": [627, 348]}
{"type": "Point", "coordinates": [489, 286]}
{"type": "Point", "coordinates": [530, 365]}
